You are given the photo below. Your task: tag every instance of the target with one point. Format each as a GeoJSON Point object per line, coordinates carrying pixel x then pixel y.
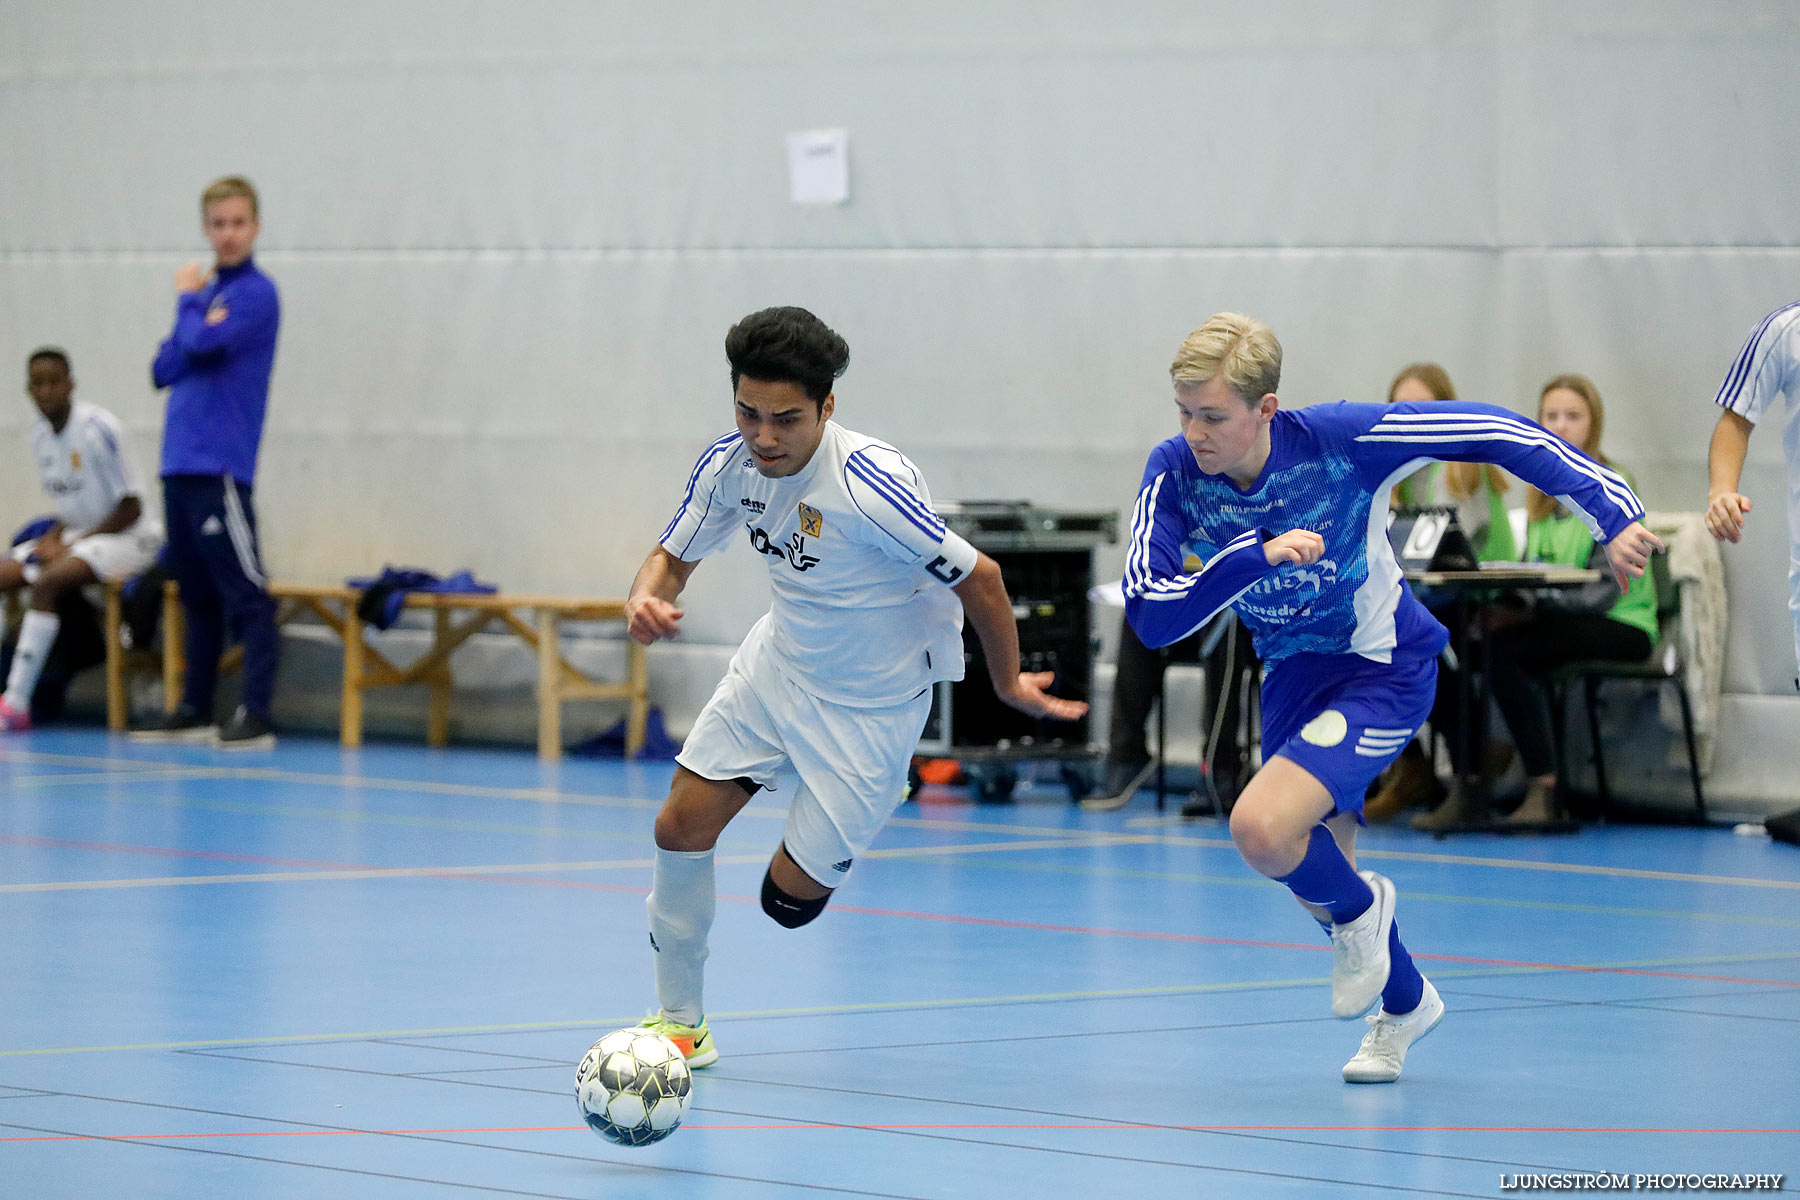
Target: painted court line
{"type": "Point", "coordinates": [828, 1126]}
{"type": "Point", "coordinates": [555, 796]}
{"type": "Point", "coordinates": [492, 871]}
{"type": "Point", "coordinates": [880, 1006]}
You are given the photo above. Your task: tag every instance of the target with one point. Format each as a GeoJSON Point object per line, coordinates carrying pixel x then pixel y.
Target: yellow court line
{"type": "Point", "coordinates": [41, 782]}
{"type": "Point", "coordinates": [1246, 879]}
{"type": "Point", "coordinates": [545, 795]}
{"type": "Point", "coordinates": [1527, 864]}
{"type": "Point", "coordinates": [178, 771]}
{"type": "Point", "coordinates": [880, 1006]}
{"type": "Point", "coordinates": [493, 869]}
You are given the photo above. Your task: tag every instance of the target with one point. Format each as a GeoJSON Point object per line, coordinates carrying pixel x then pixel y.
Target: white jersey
{"type": "Point", "coordinates": [85, 467]}
{"type": "Point", "coordinates": [1769, 366]}
{"type": "Point", "coordinates": [859, 564]}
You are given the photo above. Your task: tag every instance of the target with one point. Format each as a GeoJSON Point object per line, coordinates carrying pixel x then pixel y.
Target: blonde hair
{"type": "Point", "coordinates": [1537, 504]}
{"type": "Point", "coordinates": [228, 186]}
{"type": "Point", "coordinates": [1240, 350]}
{"type": "Point", "coordinates": [1460, 478]}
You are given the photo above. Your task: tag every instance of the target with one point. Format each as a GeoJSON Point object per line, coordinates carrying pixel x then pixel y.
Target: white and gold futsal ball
{"type": "Point", "coordinates": [632, 1087]}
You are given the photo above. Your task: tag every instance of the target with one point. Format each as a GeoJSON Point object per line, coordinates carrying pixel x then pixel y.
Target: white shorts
{"type": "Point", "coordinates": [851, 763]}
{"type": "Point", "coordinates": [113, 556]}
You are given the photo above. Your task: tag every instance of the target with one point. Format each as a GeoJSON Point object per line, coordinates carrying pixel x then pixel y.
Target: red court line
{"type": "Point", "coordinates": [885, 1126]}
{"type": "Point", "coordinates": [1153, 935]}
{"type": "Point", "coordinates": [950, 918]}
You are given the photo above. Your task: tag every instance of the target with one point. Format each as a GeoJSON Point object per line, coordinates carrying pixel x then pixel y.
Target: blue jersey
{"type": "Point", "coordinates": [1197, 539]}
{"type": "Point", "coordinates": [216, 364]}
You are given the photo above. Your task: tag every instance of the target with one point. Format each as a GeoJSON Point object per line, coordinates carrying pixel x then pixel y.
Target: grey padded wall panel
{"type": "Point", "coordinates": [510, 238]}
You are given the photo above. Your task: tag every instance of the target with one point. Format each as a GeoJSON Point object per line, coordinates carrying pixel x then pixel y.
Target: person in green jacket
{"type": "Point", "coordinates": [1556, 627]}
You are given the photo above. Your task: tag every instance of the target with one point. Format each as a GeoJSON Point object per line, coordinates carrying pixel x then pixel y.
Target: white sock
{"type": "Point", "coordinates": [36, 632]}
{"type": "Point", "coordinates": [681, 907]}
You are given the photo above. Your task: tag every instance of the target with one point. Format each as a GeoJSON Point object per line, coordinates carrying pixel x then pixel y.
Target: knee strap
{"type": "Point", "coordinates": [788, 911]}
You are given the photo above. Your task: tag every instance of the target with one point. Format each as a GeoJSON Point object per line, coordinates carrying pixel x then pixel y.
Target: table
{"type": "Point", "coordinates": [1474, 694]}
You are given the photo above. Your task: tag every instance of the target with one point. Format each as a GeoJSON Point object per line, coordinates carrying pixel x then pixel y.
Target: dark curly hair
{"type": "Point", "coordinates": [787, 345]}
{"type": "Point", "coordinates": [53, 352]}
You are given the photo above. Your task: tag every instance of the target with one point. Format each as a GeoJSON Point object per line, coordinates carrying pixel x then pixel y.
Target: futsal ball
{"type": "Point", "coordinates": [632, 1087]}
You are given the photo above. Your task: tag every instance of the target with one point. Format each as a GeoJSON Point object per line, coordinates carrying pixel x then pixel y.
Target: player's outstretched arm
{"type": "Point", "coordinates": [989, 610]}
{"type": "Point", "coordinates": [1726, 508]}
{"type": "Point", "coordinates": [1630, 552]}
{"type": "Point", "coordinates": [650, 612]}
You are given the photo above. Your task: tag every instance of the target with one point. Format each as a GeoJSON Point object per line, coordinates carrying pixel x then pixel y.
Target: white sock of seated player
{"type": "Point", "coordinates": [36, 632]}
{"type": "Point", "coordinates": [681, 905]}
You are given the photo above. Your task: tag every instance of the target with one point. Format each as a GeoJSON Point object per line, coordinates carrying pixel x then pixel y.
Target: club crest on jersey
{"type": "Point", "coordinates": [75, 460]}
{"type": "Point", "coordinates": [812, 521]}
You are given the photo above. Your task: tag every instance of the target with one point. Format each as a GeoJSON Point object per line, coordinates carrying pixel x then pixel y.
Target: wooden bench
{"type": "Point", "coordinates": [535, 620]}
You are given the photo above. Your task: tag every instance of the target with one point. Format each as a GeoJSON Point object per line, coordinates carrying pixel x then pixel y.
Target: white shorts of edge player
{"type": "Point", "coordinates": [851, 763]}
{"type": "Point", "coordinates": [113, 556]}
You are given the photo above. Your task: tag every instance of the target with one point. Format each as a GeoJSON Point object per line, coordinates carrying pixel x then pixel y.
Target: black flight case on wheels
{"type": "Point", "coordinates": [1047, 559]}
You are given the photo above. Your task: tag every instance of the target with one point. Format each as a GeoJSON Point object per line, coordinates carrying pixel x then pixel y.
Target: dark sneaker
{"type": "Point", "coordinates": [1118, 784]}
{"type": "Point", "coordinates": [245, 731]}
{"type": "Point", "coordinates": [182, 725]}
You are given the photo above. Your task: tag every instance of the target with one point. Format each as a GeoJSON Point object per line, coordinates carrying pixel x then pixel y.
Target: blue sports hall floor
{"type": "Point", "coordinates": [318, 972]}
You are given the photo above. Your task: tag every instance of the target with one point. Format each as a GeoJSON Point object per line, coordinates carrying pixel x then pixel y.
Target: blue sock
{"type": "Point", "coordinates": [1326, 878]}
{"type": "Point", "coordinates": [1405, 986]}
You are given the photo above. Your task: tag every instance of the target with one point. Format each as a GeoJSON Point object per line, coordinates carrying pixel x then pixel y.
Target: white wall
{"type": "Point", "coordinates": [510, 238]}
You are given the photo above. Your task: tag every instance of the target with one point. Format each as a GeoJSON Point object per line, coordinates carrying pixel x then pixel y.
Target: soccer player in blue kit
{"type": "Point", "coordinates": [1287, 513]}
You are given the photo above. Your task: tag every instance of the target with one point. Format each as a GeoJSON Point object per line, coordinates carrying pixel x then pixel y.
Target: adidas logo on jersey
{"type": "Point", "coordinates": [212, 525]}
{"type": "Point", "coordinates": [841, 867]}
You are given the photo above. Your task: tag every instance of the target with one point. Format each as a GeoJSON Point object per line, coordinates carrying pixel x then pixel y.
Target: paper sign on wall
{"type": "Point", "coordinates": [819, 166]}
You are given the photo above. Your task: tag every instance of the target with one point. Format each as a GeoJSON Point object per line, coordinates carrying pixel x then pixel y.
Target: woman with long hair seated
{"type": "Point", "coordinates": [1555, 627]}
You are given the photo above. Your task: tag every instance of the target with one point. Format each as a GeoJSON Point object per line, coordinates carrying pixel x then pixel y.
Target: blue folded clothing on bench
{"type": "Point", "coordinates": [384, 595]}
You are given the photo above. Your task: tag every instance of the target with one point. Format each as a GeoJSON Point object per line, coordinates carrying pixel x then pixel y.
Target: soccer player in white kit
{"type": "Point", "coordinates": [101, 531]}
{"type": "Point", "coordinates": [1768, 366]}
{"type": "Point", "coordinates": [829, 692]}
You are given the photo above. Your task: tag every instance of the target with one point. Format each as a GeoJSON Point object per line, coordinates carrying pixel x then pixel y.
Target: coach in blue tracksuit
{"type": "Point", "coordinates": [216, 363]}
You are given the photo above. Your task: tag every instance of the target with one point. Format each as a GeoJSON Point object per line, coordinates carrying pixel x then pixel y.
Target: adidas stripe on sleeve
{"type": "Point", "coordinates": [1760, 372]}
{"type": "Point", "coordinates": [705, 520]}
{"type": "Point", "coordinates": [887, 489]}
{"type": "Point", "coordinates": [1163, 603]}
{"type": "Point", "coordinates": [1395, 434]}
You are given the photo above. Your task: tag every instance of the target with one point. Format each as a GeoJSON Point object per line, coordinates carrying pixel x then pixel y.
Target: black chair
{"type": "Point", "coordinates": [1664, 666]}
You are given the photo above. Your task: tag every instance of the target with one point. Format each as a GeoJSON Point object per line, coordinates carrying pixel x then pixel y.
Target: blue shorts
{"type": "Point", "coordinates": [1344, 718]}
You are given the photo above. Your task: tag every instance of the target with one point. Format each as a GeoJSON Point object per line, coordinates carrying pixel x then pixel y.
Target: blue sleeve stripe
{"type": "Point", "coordinates": [1462, 429]}
{"type": "Point", "coordinates": [896, 493]}
{"type": "Point", "coordinates": [902, 501]}
{"type": "Point", "coordinates": [723, 446]}
{"type": "Point", "coordinates": [1730, 392]}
